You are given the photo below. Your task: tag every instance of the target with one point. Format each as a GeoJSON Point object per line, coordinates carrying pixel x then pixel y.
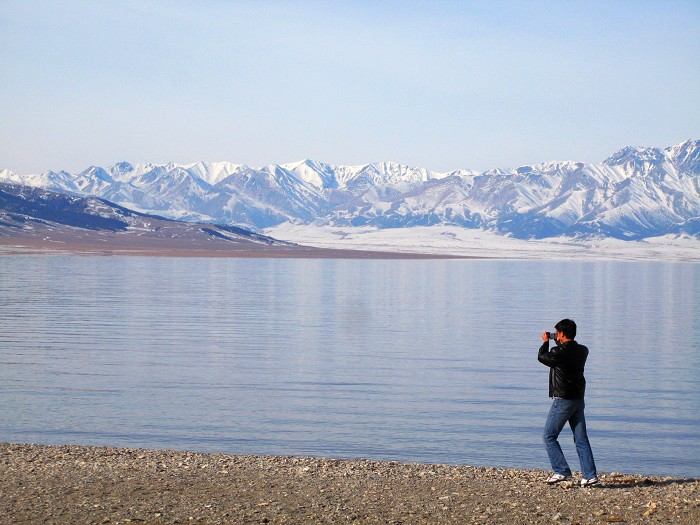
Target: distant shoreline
{"type": "Point", "coordinates": [14, 246]}
{"type": "Point", "coordinates": [76, 484]}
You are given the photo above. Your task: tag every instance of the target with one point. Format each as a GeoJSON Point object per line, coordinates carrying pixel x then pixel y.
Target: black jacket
{"type": "Point", "coordinates": [566, 363]}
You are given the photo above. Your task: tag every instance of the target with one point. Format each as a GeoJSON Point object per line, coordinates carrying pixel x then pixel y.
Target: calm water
{"type": "Point", "coordinates": [430, 361]}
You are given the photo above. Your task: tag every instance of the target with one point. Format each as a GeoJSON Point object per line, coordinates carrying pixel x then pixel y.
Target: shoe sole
{"type": "Point", "coordinates": [554, 482]}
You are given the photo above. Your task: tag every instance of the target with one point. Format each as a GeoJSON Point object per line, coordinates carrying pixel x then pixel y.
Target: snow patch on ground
{"type": "Point", "coordinates": [452, 240]}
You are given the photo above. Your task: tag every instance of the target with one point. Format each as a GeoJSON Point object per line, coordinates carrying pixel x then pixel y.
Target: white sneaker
{"type": "Point", "coordinates": [589, 482]}
{"type": "Point", "coordinates": [556, 478]}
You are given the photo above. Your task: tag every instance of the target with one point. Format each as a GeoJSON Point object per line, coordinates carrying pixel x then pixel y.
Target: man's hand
{"type": "Point", "coordinates": [545, 336]}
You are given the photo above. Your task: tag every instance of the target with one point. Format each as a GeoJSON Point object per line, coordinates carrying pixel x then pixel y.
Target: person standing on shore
{"type": "Point", "coordinates": [567, 386]}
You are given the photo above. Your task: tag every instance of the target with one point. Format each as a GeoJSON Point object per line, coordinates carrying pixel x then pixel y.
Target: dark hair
{"type": "Point", "coordinates": [566, 327]}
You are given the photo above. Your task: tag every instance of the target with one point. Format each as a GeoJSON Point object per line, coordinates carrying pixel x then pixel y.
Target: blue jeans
{"type": "Point", "coordinates": [570, 410]}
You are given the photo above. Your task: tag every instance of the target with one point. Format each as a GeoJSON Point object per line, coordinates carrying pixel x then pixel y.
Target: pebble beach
{"type": "Point", "coordinates": [41, 484]}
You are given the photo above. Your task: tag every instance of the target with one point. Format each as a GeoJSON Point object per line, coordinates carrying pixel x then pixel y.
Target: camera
{"type": "Point", "coordinates": [552, 335]}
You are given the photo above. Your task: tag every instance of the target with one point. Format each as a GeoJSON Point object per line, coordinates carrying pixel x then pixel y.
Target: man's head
{"type": "Point", "coordinates": [566, 327]}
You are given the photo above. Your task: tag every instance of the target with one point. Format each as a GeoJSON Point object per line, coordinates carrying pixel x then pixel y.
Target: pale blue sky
{"type": "Point", "coordinates": [441, 85]}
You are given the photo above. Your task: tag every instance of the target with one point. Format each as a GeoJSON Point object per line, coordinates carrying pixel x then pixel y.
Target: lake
{"type": "Point", "coordinates": [413, 360]}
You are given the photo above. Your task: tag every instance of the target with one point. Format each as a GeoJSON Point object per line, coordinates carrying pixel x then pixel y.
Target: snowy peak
{"type": "Point", "coordinates": [631, 156]}
{"type": "Point", "coordinates": [317, 174]}
{"type": "Point", "coordinates": [685, 156]}
{"type": "Point", "coordinates": [121, 168]}
{"type": "Point", "coordinates": [213, 172]}
{"type": "Point", "coordinates": [7, 175]}
{"type": "Point", "coordinates": [98, 173]}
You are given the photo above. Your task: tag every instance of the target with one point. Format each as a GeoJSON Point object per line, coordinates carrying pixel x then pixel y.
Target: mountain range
{"type": "Point", "coordinates": [635, 193]}
{"type": "Point", "coordinates": [38, 220]}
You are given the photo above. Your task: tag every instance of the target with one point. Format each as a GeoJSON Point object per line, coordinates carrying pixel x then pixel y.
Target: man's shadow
{"type": "Point", "coordinates": [627, 483]}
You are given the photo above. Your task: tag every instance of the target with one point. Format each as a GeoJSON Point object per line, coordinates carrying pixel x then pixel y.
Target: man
{"type": "Point", "coordinates": [567, 386]}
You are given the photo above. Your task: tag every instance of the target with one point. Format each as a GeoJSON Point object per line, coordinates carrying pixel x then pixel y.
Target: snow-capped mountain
{"type": "Point", "coordinates": [635, 193]}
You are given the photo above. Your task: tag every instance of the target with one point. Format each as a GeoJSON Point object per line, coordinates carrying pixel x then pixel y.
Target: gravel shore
{"type": "Point", "coordinates": [42, 484]}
